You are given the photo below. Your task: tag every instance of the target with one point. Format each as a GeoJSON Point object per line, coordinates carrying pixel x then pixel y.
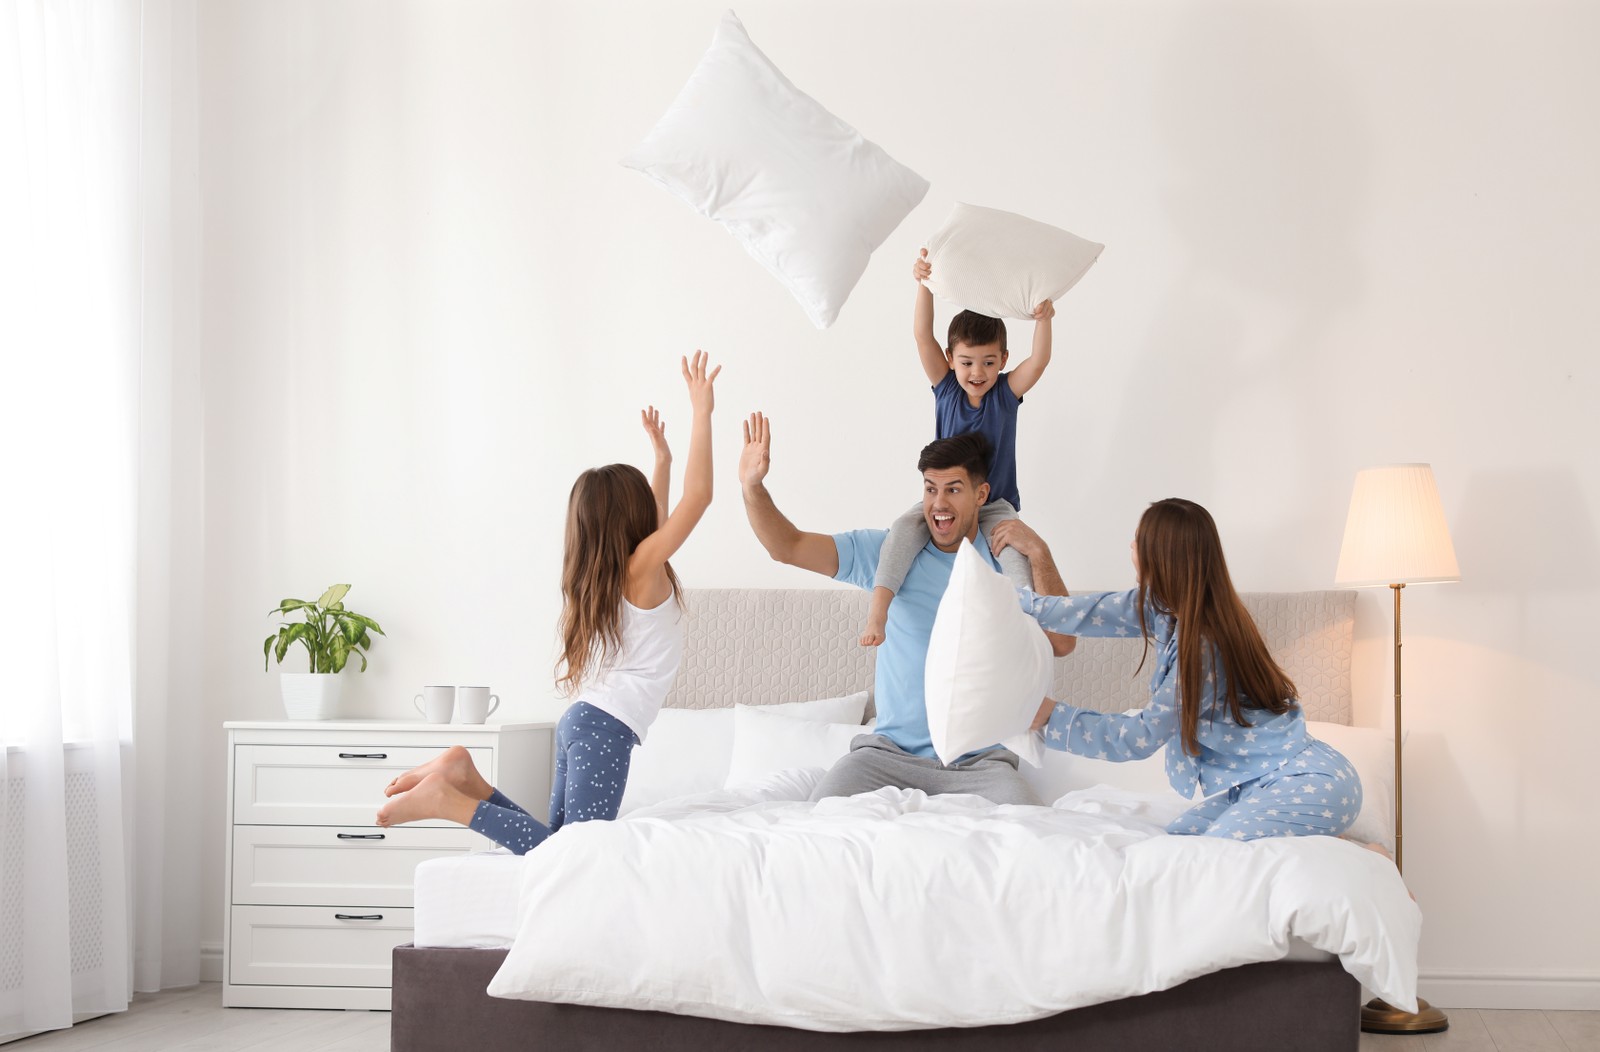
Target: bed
{"type": "Point", "coordinates": [773, 646]}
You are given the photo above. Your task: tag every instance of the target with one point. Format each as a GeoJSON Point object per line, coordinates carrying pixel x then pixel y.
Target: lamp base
{"type": "Point", "coordinates": [1380, 1017]}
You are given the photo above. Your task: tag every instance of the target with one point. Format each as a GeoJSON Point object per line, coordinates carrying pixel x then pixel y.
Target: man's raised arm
{"type": "Point", "coordinates": [782, 540]}
{"type": "Point", "coordinates": [1046, 577]}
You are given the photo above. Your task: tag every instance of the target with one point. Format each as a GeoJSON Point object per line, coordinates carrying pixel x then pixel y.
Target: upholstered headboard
{"type": "Point", "coordinates": [759, 646]}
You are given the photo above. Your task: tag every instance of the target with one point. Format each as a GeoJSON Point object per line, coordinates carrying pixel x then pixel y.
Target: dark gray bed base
{"type": "Point", "coordinates": [439, 1004]}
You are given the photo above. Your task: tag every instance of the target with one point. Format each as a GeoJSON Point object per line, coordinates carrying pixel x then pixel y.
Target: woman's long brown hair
{"type": "Point", "coordinates": [610, 511]}
{"type": "Point", "coordinates": [1182, 572]}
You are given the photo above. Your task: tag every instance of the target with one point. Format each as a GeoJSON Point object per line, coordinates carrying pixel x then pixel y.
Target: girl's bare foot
{"type": "Point", "coordinates": [432, 797]}
{"type": "Point", "coordinates": [455, 764]}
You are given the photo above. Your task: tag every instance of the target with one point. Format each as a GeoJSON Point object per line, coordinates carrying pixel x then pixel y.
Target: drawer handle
{"type": "Point", "coordinates": [358, 916]}
{"type": "Point", "coordinates": [360, 836]}
{"type": "Point", "coordinates": [363, 756]}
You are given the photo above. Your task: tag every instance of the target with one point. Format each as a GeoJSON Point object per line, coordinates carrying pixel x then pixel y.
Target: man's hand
{"type": "Point", "coordinates": [1017, 534]}
{"type": "Point", "coordinates": [756, 458]}
{"type": "Point", "coordinates": [1043, 716]}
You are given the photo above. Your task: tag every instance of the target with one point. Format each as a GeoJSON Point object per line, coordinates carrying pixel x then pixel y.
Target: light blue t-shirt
{"type": "Point", "coordinates": [897, 682]}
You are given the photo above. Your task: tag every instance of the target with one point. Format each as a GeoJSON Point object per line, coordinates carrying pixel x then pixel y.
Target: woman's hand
{"type": "Point", "coordinates": [657, 431]}
{"type": "Point", "coordinates": [695, 376]}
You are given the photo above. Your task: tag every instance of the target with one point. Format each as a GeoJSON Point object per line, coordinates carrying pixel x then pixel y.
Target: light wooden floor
{"type": "Point", "coordinates": [193, 1020]}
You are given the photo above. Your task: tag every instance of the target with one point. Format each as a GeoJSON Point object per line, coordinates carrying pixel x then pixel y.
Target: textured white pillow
{"type": "Point", "coordinates": [805, 194]}
{"type": "Point", "coordinates": [1004, 265]}
{"type": "Point", "coordinates": [1371, 751]}
{"type": "Point", "coordinates": [689, 750]}
{"type": "Point", "coordinates": [988, 666]}
{"type": "Point", "coordinates": [766, 742]}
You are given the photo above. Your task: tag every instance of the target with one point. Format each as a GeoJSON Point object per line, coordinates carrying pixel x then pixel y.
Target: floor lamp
{"type": "Point", "coordinates": [1396, 535]}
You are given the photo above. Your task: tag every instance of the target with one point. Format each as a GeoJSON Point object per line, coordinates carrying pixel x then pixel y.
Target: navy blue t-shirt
{"type": "Point", "coordinates": [995, 416]}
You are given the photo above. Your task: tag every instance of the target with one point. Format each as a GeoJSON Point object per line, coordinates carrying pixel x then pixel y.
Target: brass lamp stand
{"type": "Point", "coordinates": [1377, 1015]}
{"type": "Point", "coordinates": [1396, 534]}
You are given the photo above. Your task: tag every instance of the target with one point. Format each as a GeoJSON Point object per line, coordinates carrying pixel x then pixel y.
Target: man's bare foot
{"type": "Point", "coordinates": [455, 764]}
{"type": "Point", "coordinates": [432, 797]}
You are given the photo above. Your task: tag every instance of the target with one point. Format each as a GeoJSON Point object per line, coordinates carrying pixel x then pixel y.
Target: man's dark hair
{"type": "Point", "coordinates": [970, 451]}
{"type": "Point", "coordinates": [976, 330]}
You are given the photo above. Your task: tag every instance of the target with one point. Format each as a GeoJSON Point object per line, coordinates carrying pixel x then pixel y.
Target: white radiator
{"type": "Point", "coordinates": [84, 892]}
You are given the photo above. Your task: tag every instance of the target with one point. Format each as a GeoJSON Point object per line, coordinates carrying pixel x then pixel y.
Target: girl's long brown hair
{"type": "Point", "coordinates": [1182, 573]}
{"type": "Point", "coordinates": [610, 511]}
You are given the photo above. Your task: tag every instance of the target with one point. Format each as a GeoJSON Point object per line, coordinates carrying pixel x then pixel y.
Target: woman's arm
{"type": "Point", "coordinates": [1114, 736]}
{"type": "Point", "coordinates": [1093, 614]}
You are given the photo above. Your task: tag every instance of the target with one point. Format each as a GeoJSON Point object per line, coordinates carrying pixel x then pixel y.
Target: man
{"type": "Point", "coordinates": [900, 752]}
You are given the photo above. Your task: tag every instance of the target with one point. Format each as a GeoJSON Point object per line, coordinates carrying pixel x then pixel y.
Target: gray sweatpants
{"type": "Point", "coordinates": [909, 535]}
{"type": "Point", "coordinates": [874, 762]}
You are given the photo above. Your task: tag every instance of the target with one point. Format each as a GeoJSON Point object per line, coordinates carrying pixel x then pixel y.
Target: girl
{"type": "Point", "coordinates": [621, 643]}
{"type": "Point", "coordinates": [1224, 709]}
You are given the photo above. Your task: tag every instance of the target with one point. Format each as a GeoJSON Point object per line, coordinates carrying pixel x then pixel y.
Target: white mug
{"type": "Point", "coordinates": [436, 704]}
{"type": "Point", "coordinates": [477, 704]}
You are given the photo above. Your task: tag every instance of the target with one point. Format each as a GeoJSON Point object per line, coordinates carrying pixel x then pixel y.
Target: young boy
{"type": "Point", "coordinates": [970, 393]}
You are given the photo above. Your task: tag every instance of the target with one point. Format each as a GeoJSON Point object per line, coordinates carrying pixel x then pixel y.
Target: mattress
{"type": "Point", "coordinates": [470, 902]}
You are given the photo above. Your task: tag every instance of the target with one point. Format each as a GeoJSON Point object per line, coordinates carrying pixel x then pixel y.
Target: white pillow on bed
{"type": "Point", "coordinates": [989, 665]}
{"type": "Point", "coordinates": [766, 742]}
{"type": "Point", "coordinates": [689, 750]}
{"type": "Point", "coordinates": [1004, 265]}
{"type": "Point", "coordinates": [806, 195]}
{"type": "Point", "coordinates": [1369, 749]}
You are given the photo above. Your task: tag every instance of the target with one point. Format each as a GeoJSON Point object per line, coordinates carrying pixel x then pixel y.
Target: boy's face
{"type": "Point", "coordinates": [977, 368]}
{"type": "Point", "coordinates": [950, 504]}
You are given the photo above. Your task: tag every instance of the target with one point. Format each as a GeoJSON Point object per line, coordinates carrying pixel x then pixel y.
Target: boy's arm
{"type": "Point", "coordinates": [928, 349]}
{"type": "Point", "coordinates": [1024, 376]}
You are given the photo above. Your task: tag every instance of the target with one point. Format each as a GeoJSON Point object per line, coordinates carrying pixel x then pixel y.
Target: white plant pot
{"type": "Point", "coordinates": [311, 695]}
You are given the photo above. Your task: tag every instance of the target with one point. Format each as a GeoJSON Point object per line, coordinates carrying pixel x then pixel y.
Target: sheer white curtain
{"type": "Point", "coordinates": [76, 270]}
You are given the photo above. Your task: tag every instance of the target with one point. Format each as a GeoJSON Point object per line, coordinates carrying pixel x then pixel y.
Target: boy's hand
{"type": "Point", "coordinates": [1044, 311]}
{"type": "Point", "coordinates": [694, 374]}
{"type": "Point", "coordinates": [756, 458]}
{"type": "Point", "coordinates": [657, 432]}
{"type": "Point", "coordinates": [922, 268]}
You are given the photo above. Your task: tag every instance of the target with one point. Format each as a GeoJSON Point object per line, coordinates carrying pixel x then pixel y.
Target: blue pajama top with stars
{"type": "Point", "coordinates": [1264, 777]}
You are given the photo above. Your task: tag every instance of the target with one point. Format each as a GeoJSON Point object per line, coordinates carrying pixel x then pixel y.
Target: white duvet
{"type": "Point", "coordinates": [895, 910]}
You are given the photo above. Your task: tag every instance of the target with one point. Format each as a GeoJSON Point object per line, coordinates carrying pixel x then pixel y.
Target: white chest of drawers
{"type": "Point", "coordinates": [318, 895]}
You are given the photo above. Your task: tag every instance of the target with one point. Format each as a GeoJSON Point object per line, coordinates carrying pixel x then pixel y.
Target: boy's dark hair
{"type": "Point", "coordinates": [976, 330]}
{"type": "Point", "coordinates": [970, 451]}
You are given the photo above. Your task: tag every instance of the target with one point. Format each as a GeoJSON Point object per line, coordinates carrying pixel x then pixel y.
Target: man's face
{"type": "Point", "coordinates": [950, 504]}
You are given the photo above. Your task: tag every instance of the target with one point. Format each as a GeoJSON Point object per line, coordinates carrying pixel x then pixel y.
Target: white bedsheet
{"type": "Point", "coordinates": [467, 900]}
{"type": "Point", "coordinates": [895, 910]}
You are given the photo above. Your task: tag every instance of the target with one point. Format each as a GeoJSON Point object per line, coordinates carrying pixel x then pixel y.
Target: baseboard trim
{"type": "Point", "coordinates": [210, 962]}
{"type": "Point", "coordinates": [1555, 991]}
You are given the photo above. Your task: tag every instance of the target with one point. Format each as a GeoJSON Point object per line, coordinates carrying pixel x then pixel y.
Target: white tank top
{"type": "Point", "coordinates": [633, 683]}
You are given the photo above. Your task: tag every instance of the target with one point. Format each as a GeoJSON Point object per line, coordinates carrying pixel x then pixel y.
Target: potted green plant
{"type": "Point", "coordinates": [330, 634]}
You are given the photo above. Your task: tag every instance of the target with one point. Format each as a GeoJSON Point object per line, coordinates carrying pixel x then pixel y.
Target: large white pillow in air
{"type": "Point", "coordinates": [804, 192]}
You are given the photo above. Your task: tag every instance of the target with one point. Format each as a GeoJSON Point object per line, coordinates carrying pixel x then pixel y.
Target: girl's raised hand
{"type": "Point", "coordinates": [699, 382]}
{"type": "Point", "coordinates": [657, 430]}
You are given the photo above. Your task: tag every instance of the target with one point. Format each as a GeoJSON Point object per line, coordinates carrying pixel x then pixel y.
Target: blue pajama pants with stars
{"type": "Point", "coordinates": [1317, 793]}
{"type": "Point", "coordinates": [593, 749]}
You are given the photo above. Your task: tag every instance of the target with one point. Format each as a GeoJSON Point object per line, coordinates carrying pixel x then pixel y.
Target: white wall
{"type": "Point", "coordinates": [1338, 235]}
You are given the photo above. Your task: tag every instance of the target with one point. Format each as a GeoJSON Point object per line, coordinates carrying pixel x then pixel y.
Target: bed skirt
{"type": "Point", "coordinates": [439, 1004]}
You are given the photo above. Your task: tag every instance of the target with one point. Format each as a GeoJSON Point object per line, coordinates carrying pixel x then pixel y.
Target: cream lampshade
{"type": "Point", "coordinates": [1395, 532]}
{"type": "Point", "coordinates": [1396, 535]}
